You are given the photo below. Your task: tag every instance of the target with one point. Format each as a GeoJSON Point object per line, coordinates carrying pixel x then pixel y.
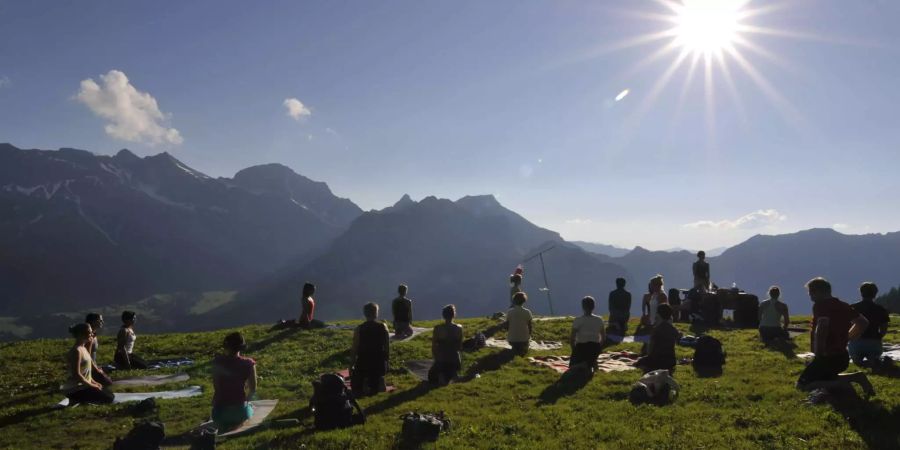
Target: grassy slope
{"type": "Point", "coordinates": [754, 404]}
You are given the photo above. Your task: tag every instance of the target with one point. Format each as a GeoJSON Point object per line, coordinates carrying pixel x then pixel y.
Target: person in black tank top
{"type": "Point", "coordinates": [371, 351]}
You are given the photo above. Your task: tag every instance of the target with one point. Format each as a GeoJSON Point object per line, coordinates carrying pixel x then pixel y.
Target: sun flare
{"type": "Point", "coordinates": [707, 26]}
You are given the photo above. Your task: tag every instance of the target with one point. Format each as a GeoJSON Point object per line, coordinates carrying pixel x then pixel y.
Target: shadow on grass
{"type": "Point", "coordinates": [280, 336]}
{"type": "Point", "coordinates": [399, 398]}
{"type": "Point", "coordinates": [784, 346]}
{"type": "Point", "coordinates": [488, 363]}
{"type": "Point", "coordinates": [27, 414]}
{"type": "Point", "coordinates": [875, 424]}
{"type": "Point", "coordinates": [568, 383]}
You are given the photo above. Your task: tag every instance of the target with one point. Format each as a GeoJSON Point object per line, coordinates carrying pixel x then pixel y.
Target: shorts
{"type": "Point", "coordinates": [231, 416]}
{"type": "Point", "coordinates": [824, 368]}
{"type": "Point", "coordinates": [770, 333]}
{"type": "Point", "coordinates": [862, 350]}
{"type": "Point", "coordinates": [585, 352]}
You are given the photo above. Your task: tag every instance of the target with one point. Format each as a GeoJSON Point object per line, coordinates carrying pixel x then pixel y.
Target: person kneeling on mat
{"type": "Point", "coordinates": [446, 342]}
{"type": "Point", "coordinates": [587, 336]}
{"type": "Point", "coordinates": [234, 381]}
{"type": "Point", "coordinates": [519, 325]}
{"type": "Point", "coordinates": [79, 386]}
{"type": "Point", "coordinates": [125, 358]}
{"type": "Point", "coordinates": [371, 350]}
{"type": "Point", "coordinates": [95, 320]}
{"type": "Point", "coordinates": [661, 348]}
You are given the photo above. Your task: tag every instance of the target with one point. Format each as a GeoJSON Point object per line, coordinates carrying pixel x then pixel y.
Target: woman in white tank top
{"type": "Point", "coordinates": [655, 297]}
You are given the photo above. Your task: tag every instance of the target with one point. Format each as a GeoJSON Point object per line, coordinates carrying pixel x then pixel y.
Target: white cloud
{"type": "Point", "coordinates": [133, 115]}
{"type": "Point", "coordinates": [5, 82]}
{"type": "Point", "coordinates": [296, 109]}
{"type": "Point", "coordinates": [840, 226]}
{"type": "Point", "coordinates": [578, 221]}
{"type": "Point", "coordinates": [756, 219]}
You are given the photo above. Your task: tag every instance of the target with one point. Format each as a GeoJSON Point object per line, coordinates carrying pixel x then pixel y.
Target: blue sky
{"type": "Point", "coordinates": [505, 97]}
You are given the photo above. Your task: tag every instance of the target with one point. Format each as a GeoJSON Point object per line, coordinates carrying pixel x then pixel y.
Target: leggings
{"type": "Point", "coordinates": [100, 377]}
{"type": "Point", "coordinates": [90, 395]}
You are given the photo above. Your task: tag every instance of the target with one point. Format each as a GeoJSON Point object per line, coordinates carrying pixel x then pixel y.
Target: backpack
{"type": "Point", "coordinates": [656, 387]}
{"type": "Point", "coordinates": [423, 427]}
{"type": "Point", "coordinates": [708, 352]}
{"type": "Point", "coordinates": [332, 403]}
{"type": "Point", "coordinates": [144, 435]}
{"type": "Point", "coordinates": [474, 343]}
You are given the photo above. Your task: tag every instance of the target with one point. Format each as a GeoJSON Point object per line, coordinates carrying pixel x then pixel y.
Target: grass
{"type": "Point", "coordinates": [752, 405]}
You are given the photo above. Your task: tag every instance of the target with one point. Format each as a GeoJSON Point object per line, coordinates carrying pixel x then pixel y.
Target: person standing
{"type": "Point", "coordinates": [587, 336]}
{"type": "Point", "coordinates": [619, 308]}
{"type": "Point", "coordinates": [79, 386]}
{"type": "Point", "coordinates": [701, 272]}
{"type": "Point", "coordinates": [371, 352]}
{"type": "Point", "coordinates": [401, 308]}
{"type": "Point", "coordinates": [125, 357]}
{"type": "Point", "coordinates": [834, 323]}
{"type": "Point", "coordinates": [95, 320]}
{"type": "Point", "coordinates": [866, 350]}
{"type": "Point", "coordinates": [519, 321]}
{"type": "Point", "coordinates": [774, 317]}
{"type": "Point", "coordinates": [446, 342]}
{"type": "Point", "coordinates": [654, 297]}
{"type": "Point", "coordinates": [234, 384]}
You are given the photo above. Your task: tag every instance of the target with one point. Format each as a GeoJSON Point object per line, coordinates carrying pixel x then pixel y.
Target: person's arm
{"type": "Point", "coordinates": [786, 315]}
{"type": "Point", "coordinates": [645, 305]}
{"type": "Point", "coordinates": [304, 311]}
{"type": "Point", "coordinates": [882, 329]}
{"type": "Point", "coordinates": [820, 336]}
{"type": "Point", "coordinates": [386, 343]}
{"type": "Point", "coordinates": [76, 370]}
{"type": "Point", "coordinates": [530, 326]}
{"type": "Point", "coordinates": [121, 340]}
{"type": "Point", "coordinates": [434, 342]}
{"type": "Point", "coordinates": [759, 311]}
{"type": "Point", "coordinates": [663, 299]}
{"type": "Point", "coordinates": [355, 346]}
{"type": "Point", "coordinates": [858, 327]}
{"type": "Point", "coordinates": [572, 336]}
{"type": "Point", "coordinates": [603, 334]}
{"type": "Point", "coordinates": [459, 338]}
{"type": "Point", "coordinates": [251, 383]}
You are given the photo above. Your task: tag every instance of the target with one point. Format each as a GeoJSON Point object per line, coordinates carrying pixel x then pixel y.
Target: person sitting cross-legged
{"type": "Point", "coordinates": [834, 323]}
{"type": "Point", "coordinates": [234, 381]}
{"type": "Point", "coordinates": [774, 317]}
{"type": "Point", "coordinates": [587, 336]}
{"type": "Point", "coordinates": [519, 324]}
{"type": "Point", "coordinates": [661, 348]}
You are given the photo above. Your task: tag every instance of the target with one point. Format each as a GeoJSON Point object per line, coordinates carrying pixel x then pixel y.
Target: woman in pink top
{"type": "Point", "coordinates": [234, 381]}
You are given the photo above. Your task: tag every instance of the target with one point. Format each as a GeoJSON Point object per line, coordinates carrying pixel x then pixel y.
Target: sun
{"type": "Point", "coordinates": [705, 27]}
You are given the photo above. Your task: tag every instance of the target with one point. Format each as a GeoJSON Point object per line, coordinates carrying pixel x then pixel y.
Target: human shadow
{"type": "Point", "coordinates": [874, 423]}
{"type": "Point", "coordinates": [343, 358]}
{"type": "Point", "coordinates": [488, 363]}
{"type": "Point", "coordinates": [494, 329]}
{"type": "Point", "coordinates": [24, 415]}
{"type": "Point", "coordinates": [784, 346]}
{"type": "Point", "coordinates": [399, 398]}
{"type": "Point", "coordinates": [280, 336]}
{"type": "Point", "coordinates": [568, 383]}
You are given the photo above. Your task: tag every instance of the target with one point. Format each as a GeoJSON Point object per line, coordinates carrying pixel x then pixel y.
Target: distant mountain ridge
{"type": "Point", "coordinates": [80, 229]}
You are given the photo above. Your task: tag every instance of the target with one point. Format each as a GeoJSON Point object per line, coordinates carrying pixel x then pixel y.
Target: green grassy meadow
{"type": "Point", "coordinates": [513, 404]}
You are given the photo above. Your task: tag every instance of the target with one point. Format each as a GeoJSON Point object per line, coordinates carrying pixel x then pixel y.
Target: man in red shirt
{"type": "Point", "coordinates": [834, 323]}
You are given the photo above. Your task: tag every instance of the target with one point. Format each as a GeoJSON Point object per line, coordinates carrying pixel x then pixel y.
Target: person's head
{"type": "Point", "coordinates": [81, 332]}
{"type": "Point", "coordinates": [449, 312]}
{"type": "Point", "coordinates": [774, 292]}
{"type": "Point", "coordinates": [515, 279]}
{"type": "Point", "coordinates": [701, 255]}
{"type": "Point", "coordinates": [308, 289]}
{"type": "Point", "coordinates": [818, 288]}
{"type": "Point", "coordinates": [674, 294]}
{"type": "Point", "coordinates": [234, 343]}
{"type": "Point", "coordinates": [370, 310]}
{"type": "Point", "coordinates": [656, 284]}
{"type": "Point", "coordinates": [519, 299]}
{"type": "Point", "coordinates": [587, 304]}
{"type": "Point", "coordinates": [664, 311]}
{"type": "Point", "coordinates": [868, 290]}
{"type": "Point", "coordinates": [620, 283]}
{"type": "Point", "coordinates": [128, 318]}
{"type": "Point", "coordinates": [95, 320]}
{"type": "Point", "coordinates": [402, 290]}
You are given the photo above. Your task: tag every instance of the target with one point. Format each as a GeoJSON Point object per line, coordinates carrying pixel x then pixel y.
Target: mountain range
{"type": "Point", "coordinates": [81, 231]}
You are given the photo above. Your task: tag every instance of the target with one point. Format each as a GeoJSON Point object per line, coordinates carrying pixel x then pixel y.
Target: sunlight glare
{"type": "Point", "coordinates": [707, 26]}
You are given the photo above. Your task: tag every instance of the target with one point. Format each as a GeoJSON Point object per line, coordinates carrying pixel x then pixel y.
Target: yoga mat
{"type": "Point", "coordinates": [627, 339]}
{"type": "Point", "coordinates": [797, 331]}
{"type": "Point", "coordinates": [340, 327]}
{"type": "Point", "coordinates": [415, 332]}
{"type": "Point", "coordinates": [806, 355]}
{"type": "Point", "coordinates": [533, 345]}
{"type": "Point", "coordinates": [549, 318]}
{"type": "Point", "coordinates": [261, 410]}
{"type": "Point", "coordinates": [606, 362]}
{"type": "Point", "coordinates": [892, 351]}
{"type": "Point", "coordinates": [158, 364]}
{"type": "Point", "coordinates": [419, 368]}
{"type": "Point", "coordinates": [192, 391]}
{"type": "Point", "coordinates": [346, 375]}
{"type": "Point", "coordinates": [152, 380]}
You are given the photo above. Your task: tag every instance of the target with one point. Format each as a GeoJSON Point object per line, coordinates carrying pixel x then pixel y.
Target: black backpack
{"type": "Point", "coordinates": [474, 343]}
{"type": "Point", "coordinates": [418, 427]}
{"type": "Point", "coordinates": [332, 403]}
{"type": "Point", "coordinates": [708, 352]}
{"type": "Point", "coordinates": [144, 435]}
